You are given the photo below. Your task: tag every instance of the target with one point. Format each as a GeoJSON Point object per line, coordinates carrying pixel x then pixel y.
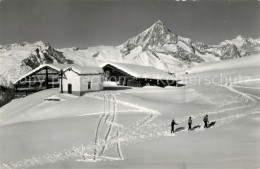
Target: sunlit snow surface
{"type": "Point", "coordinates": [37, 132]}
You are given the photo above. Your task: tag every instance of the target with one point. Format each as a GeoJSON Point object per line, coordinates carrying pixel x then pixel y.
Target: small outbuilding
{"type": "Point", "coordinates": [81, 79]}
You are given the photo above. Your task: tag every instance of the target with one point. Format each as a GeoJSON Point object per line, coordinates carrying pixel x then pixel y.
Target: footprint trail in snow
{"type": "Point", "coordinates": [145, 129]}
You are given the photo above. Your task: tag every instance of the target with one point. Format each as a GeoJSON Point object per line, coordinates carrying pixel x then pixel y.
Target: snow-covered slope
{"type": "Point", "coordinates": [18, 59]}
{"type": "Point", "coordinates": [244, 69]}
{"type": "Point", "coordinates": [67, 129]}
{"type": "Point", "coordinates": [92, 55]}
{"type": "Point", "coordinates": [252, 61]}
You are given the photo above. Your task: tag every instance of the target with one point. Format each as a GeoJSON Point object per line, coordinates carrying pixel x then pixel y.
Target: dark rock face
{"type": "Point", "coordinates": [249, 47]}
{"type": "Point", "coordinates": [6, 95]}
{"type": "Point", "coordinates": [43, 54]}
{"type": "Point", "coordinates": [229, 52]}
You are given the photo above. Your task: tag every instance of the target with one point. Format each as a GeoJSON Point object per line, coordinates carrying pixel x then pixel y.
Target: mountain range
{"type": "Point", "coordinates": [157, 46]}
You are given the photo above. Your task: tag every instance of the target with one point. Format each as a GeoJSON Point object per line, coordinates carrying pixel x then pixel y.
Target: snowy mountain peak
{"type": "Point", "coordinates": [246, 45]}
{"type": "Point", "coordinates": [156, 35]}
{"type": "Point", "coordinates": [159, 28]}
{"type": "Point", "coordinates": [239, 37]}
{"type": "Point", "coordinates": [158, 24]}
{"type": "Point", "coordinates": [41, 43]}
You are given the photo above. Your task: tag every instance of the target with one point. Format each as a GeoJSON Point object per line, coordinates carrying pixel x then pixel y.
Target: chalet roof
{"type": "Point", "coordinates": [138, 71]}
{"type": "Point", "coordinates": [85, 69]}
{"type": "Point", "coordinates": [57, 67]}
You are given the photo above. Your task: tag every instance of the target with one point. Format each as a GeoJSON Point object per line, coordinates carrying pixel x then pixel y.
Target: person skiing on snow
{"type": "Point", "coordinates": [189, 123]}
{"type": "Point", "coordinates": [206, 120]}
{"type": "Point", "coordinates": [172, 125]}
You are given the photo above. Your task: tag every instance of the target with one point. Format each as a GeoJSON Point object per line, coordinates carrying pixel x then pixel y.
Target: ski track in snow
{"type": "Point", "coordinates": [257, 88]}
{"type": "Point", "coordinates": [240, 93]}
{"type": "Point", "coordinates": [119, 111]}
{"type": "Point", "coordinates": [142, 130]}
{"type": "Point", "coordinates": [245, 81]}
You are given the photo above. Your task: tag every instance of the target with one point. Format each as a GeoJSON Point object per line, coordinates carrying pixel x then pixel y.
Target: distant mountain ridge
{"type": "Point", "coordinates": [157, 46]}
{"type": "Point", "coordinates": [18, 59]}
{"type": "Point", "coordinates": [159, 40]}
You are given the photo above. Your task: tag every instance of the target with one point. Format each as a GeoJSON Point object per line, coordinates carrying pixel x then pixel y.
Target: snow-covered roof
{"type": "Point", "coordinates": [138, 71]}
{"type": "Point", "coordinates": [85, 69]}
{"type": "Point", "coordinates": [57, 67]}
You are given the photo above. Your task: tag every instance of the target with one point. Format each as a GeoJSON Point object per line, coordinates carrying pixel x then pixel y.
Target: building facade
{"type": "Point", "coordinates": [137, 75]}
{"type": "Point", "coordinates": [79, 80]}
{"type": "Point", "coordinates": [43, 77]}
{"type": "Point", "coordinates": [76, 79]}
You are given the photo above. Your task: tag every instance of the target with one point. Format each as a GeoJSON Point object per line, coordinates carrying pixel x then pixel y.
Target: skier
{"type": "Point", "coordinates": [172, 125]}
{"type": "Point", "coordinates": [189, 123]}
{"type": "Point", "coordinates": [206, 120]}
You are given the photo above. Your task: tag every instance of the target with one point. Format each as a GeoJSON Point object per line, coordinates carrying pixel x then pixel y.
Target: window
{"type": "Point", "coordinates": [89, 85]}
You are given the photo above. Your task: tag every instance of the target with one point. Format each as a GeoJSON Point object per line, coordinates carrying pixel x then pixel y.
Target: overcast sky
{"type": "Point", "coordinates": [91, 23]}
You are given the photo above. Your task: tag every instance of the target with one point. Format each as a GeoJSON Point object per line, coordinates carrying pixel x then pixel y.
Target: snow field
{"type": "Point", "coordinates": [144, 115]}
{"type": "Point", "coordinates": [150, 126]}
